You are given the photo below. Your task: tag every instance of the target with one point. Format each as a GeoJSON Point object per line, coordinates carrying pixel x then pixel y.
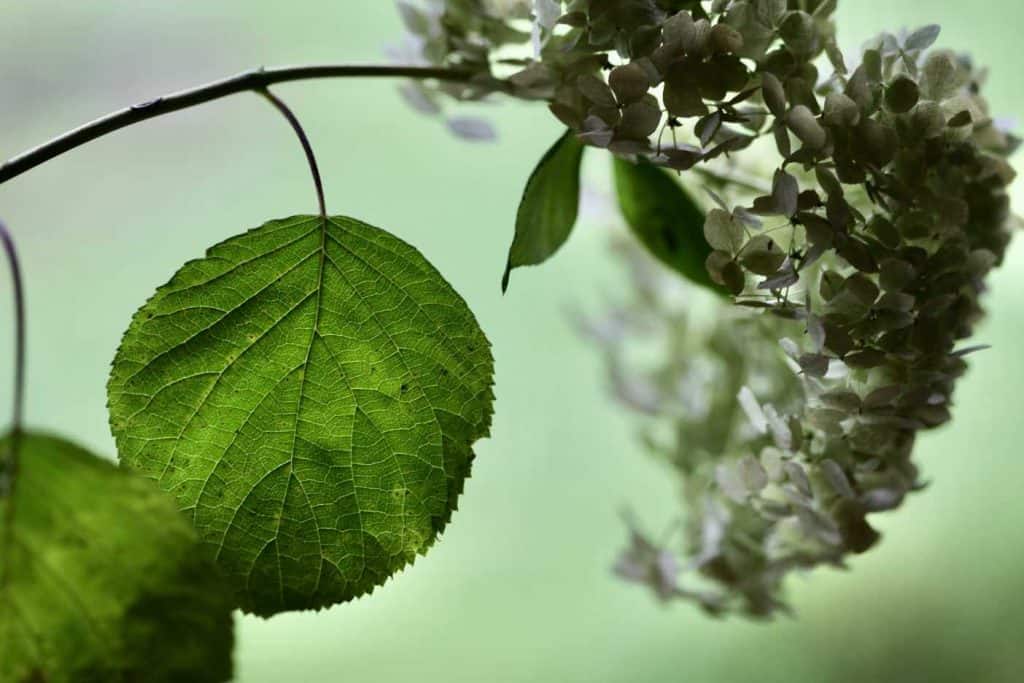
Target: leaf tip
{"type": "Point", "coordinates": [505, 278]}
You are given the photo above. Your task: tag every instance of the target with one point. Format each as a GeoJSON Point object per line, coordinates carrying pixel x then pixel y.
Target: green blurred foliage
{"type": "Point", "coordinates": [520, 588]}
{"type": "Point", "coordinates": [103, 580]}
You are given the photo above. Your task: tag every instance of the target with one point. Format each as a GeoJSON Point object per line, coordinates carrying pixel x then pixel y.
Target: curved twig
{"type": "Point", "coordinates": [256, 80]}
{"type": "Point", "coordinates": [9, 465]}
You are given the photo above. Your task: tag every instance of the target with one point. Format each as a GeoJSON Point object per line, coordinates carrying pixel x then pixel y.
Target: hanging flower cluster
{"type": "Point", "coordinates": [856, 275]}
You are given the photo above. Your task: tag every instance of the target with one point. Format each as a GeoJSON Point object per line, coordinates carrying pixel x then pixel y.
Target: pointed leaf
{"type": "Point", "coordinates": [923, 38]}
{"type": "Point", "coordinates": [665, 219]}
{"type": "Point", "coordinates": [548, 209]}
{"type": "Point", "coordinates": [310, 393]}
{"type": "Point", "coordinates": [102, 577]}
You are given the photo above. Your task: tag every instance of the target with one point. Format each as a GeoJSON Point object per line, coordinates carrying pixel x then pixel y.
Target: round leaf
{"type": "Point", "coordinates": [763, 256]}
{"type": "Point", "coordinates": [723, 232]}
{"type": "Point", "coordinates": [309, 392]}
{"type": "Point", "coordinates": [640, 119]}
{"type": "Point", "coordinates": [629, 82]}
{"type": "Point", "coordinates": [840, 110]}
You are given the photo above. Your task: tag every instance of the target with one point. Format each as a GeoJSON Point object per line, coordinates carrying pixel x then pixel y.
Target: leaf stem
{"type": "Point", "coordinates": [255, 80]}
{"type": "Point", "coordinates": [731, 178]}
{"type": "Point", "coordinates": [306, 146]}
{"type": "Point", "coordinates": [9, 466]}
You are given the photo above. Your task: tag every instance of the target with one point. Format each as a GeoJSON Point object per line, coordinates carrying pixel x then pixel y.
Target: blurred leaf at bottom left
{"type": "Point", "coordinates": [100, 579]}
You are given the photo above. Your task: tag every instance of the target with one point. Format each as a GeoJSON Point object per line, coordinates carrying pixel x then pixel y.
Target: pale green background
{"type": "Point", "coordinates": [519, 589]}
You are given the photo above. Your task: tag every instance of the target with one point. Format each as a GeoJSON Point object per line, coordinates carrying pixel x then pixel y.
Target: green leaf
{"type": "Point", "coordinates": [310, 393]}
{"type": "Point", "coordinates": [548, 209]}
{"type": "Point", "coordinates": [101, 578]}
{"type": "Point", "coordinates": [664, 218]}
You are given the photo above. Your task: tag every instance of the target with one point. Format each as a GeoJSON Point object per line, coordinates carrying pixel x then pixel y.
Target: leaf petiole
{"type": "Point", "coordinates": [306, 146]}
{"type": "Point", "coordinates": [9, 466]}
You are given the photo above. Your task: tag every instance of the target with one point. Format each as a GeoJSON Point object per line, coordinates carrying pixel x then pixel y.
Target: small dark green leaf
{"type": "Point", "coordinates": [665, 219]}
{"type": "Point", "coordinates": [548, 209]}
{"type": "Point", "coordinates": [102, 577]}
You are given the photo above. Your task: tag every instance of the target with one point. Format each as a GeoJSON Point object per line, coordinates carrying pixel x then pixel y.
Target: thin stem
{"type": "Point", "coordinates": [9, 467]}
{"type": "Point", "coordinates": [258, 79]}
{"type": "Point", "coordinates": [732, 178]}
{"type": "Point", "coordinates": [10, 462]}
{"type": "Point", "coordinates": [306, 146]}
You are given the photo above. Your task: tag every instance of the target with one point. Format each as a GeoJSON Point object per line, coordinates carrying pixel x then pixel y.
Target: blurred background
{"type": "Point", "coordinates": [520, 588]}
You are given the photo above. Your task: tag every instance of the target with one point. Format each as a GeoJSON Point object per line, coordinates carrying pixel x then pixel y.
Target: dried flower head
{"type": "Point", "coordinates": [794, 415]}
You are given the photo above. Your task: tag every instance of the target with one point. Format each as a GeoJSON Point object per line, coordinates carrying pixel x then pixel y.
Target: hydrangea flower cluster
{"type": "Point", "coordinates": [855, 276]}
